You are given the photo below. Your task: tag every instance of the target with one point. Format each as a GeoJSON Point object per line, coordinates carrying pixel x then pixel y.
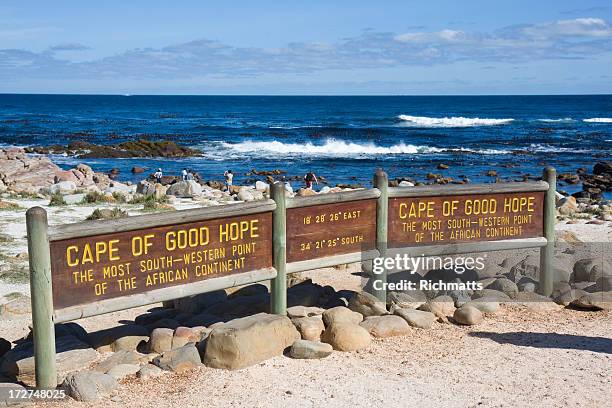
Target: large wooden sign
{"type": "Point", "coordinates": [121, 264]}
{"type": "Point", "coordinates": [464, 218]}
{"type": "Point", "coordinates": [324, 230]}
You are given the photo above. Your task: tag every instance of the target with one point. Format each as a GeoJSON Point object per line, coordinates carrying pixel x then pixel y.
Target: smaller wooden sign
{"type": "Point", "coordinates": [94, 268]}
{"type": "Point", "coordinates": [465, 218]}
{"type": "Point", "coordinates": [320, 231]}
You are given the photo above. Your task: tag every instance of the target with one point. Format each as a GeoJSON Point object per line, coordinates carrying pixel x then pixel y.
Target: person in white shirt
{"type": "Point", "coordinates": [158, 176]}
{"type": "Point", "coordinates": [184, 174]}
{"type": "Point", "coordinates": [229, 178]}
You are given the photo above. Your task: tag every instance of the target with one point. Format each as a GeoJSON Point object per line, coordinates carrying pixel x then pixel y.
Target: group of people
{"type": "Point", "coordinates": [309, 178]}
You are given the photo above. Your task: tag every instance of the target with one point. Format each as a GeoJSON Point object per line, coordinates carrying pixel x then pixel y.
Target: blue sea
{"type": "Point", "coordinates": [344, 138]}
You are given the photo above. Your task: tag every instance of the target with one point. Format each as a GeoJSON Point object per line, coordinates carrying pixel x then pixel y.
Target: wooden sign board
{"type": "Point", "coordinates": [120, 264]}
{"type": "Point", "coordinates": [324, 230]}
{"type": "Point", "coordinates": [464, 218]}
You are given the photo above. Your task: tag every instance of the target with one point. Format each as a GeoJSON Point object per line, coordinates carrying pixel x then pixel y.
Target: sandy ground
{"type": "Point", "coordinates": [514, 358]}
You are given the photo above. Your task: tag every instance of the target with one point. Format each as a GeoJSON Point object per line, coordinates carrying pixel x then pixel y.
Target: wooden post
{"type": "Point", "coordinates": [381, 182]}
{"type": "Point", "coordinates": [42, 298]}
{"type": "Point", "coordinates": [278, 286]}
{"type": "Point", "coordinates": [550, 216]}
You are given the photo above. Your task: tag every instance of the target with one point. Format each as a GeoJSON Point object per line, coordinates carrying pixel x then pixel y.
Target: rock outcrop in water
{"type": "Point", "coordinates": [140, 148]}
{"type": "Point", "coordinates": [21, 173]}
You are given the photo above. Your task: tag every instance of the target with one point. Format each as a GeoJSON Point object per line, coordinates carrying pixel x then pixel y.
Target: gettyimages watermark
{"type": "Point", "coordinates": [578, 269]}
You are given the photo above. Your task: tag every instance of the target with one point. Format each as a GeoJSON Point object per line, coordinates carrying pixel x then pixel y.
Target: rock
{"type": "Point", "coordinates": [306, 192]}
{"type": "Point", "coordinates": [5, 346]}
{"type": "Point", "coordinates": [261, 186]}
{"type": "Point", "coordinates": [603, 284]}
{"type": "Point", "coordinates": [184, 335]}
{"type": "Point", "coordinates": [89, 385]}
{"type": "Point", "coordinates": [467, 315]}
{"type": "Point", "coordinates": [325, 190]}
{"type": "Point", "coordinates": [119, 358]}
{"type": "Point", "coordinates": [367, 305]}
{"type": "Point", "coordinates": [405, 183]}
{"type": "Point", "coordinates": [385, 326]}
{"type": "Point", "coordinates": [504, 285]}
{"type": "Point", "coordinates": [310, 328]}
{"type": "Point", "coordinates": [460, 297]}
{"type": "Point", "coordinates": [590, 269]}
{"type": "Point", "coordinates": [416, 318]}
{"type": "Point", "coordinates": [594, 301]}
{"type": "Point", "coordinates": [245, 195]}
{"type": "Point", "coordinates": [127, 337]}
{"type": "Point", "coordinates": [149, 371]}
{"type": "Point", "coordinates": [16, 309]}
{"type": "Point", "coordinates": [567, 206]}
{"type": "Point", "coordinates": [304, 311]}
{"type": "Point", "coordinates": [249, 340]}
{"type": "Point", "coordinates": [72, 355]}
{"type": "Point", "coordinates": [411, 300]}
{"type": "Point", "coordinates": [72, 199]}
{"type": "Point", "coordinates": [306, 349]}
{"type": "Point", "coordinates": [341, 314]}
{"type": "Point", "coordinates": [345, 336]}
{"type": "Point", "coordinates": [441, 306]}
{"type": "Point", "coordinates": [160, 340]}
{"type": "Point", "coordinates": [602, 168]}
{"type": "Point", "coordinates": [250, 290]}
{"type": "Point", "coordinates": [485, 305]}
{"type": "Point", "coordinates": [137, 170]}
{"type": "Point", "coordinates": [185, 189]}
{"type": "Point", "coordinates": [136, 148]}
{"type": "Point", "coordinates": [442, 166]}
{"type": "Point", "coordinates": [527, 284]}
{"type": "Point", "coordinates": [536, 303]}
{"type": "Point", "coordinates": [180, 359]}
{"type": "Point", "coordinates": [121, 371]}
{"type": "Point", "coordinates": [63, 187]}
{"type": "Point", "coordinates": [490, 294]}
{"type": "Point", "coordinates": [529, 267]}
{"type": "Point", "coordinates": [21, 173]}
{"type": "Point", "coordinates": [10, 395]}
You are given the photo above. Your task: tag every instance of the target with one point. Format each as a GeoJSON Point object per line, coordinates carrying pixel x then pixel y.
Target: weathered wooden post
{"type": "Point", "coordinates": [550, 216]}
{"type": "Point", "coordinates": [42, 298]}
{"type": "Point", "coordinates": [278, 286]}
{"type": "Point", "coordinates": [381, 182]}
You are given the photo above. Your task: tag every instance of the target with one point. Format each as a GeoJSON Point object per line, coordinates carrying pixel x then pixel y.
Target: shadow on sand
{"type": "Point", "coordinates": [550, 340]}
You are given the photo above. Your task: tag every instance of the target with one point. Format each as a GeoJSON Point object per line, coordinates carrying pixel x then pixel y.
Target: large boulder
{"type": "Point", "coordinates": [89, 385]}
{"type": "Point", "coordinates": [385, 326]}
{"type": "Point", "coordinates": [441, 306]}
{"type": "Point", "coordinates": [367, 304]}
{"type": "Point", "coordinates": [63, 187]}
{"type": "Point", "coordinates": [187, 189]}
{"type": "Point", "coordinates": [22, 173]}
{"type": "Point", "coordinates": [72, 354]}
{"type": "Point", "coordinates": [345, 336]}
{"type": "Point", "coordinates": [506, 286]}
{"type": "Point", "coordinates": [246, 341]}
{"type": "Point", "coordinates": [160, 340]}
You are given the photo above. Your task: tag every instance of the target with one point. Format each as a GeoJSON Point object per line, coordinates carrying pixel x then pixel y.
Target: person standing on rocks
{"type": "Point", "coordinates": [158, 176]}
{"type": "Point", "coordinates": [190, 175]}
{"type": "Point", "coordinates": [229, 178]}
{"type": "Point", "coordinates": [310, 178]}
{"type": "Point", "coordinates": [184, 174]}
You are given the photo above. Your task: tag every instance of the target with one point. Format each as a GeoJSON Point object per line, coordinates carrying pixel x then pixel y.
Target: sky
{"type": "Point", "coordinates": [306, 47]}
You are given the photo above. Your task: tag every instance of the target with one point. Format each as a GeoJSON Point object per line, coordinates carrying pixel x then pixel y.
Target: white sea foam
{"type": "Point", "coordinates": [341, 148]}
{"type": "Point", "coordinates": [598, 120]}
{"type": "Point", "coordinates": [556, 120]}
{"type": "Point", "coordinates": [425, 121]}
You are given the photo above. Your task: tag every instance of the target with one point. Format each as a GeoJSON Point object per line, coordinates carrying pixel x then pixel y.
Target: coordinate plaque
{"type": "Point", "coordinates": [325, 230]}
{"type": "Point", "coordinates": [114, 265]}
{"type": "Point", "coordinates": [465, 218]}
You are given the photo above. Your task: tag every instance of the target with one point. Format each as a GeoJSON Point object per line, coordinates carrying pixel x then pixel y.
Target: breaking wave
{"type": "Point", "coordinates": [341, 148]}
{"type": "Point", "coordinates": [556, 120]}
{"type": "Point", "coordinates": [459, 121]}
{"type": "Point", "coordinates": [598, 120]}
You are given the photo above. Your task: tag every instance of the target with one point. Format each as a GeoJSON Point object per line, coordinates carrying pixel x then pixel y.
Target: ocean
{"type": "Point", "coordinates": [343, 138]}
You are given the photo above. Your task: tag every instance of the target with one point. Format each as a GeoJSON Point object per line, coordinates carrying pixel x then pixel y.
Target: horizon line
{"type": "Point", "coordinates": [294, 95]}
